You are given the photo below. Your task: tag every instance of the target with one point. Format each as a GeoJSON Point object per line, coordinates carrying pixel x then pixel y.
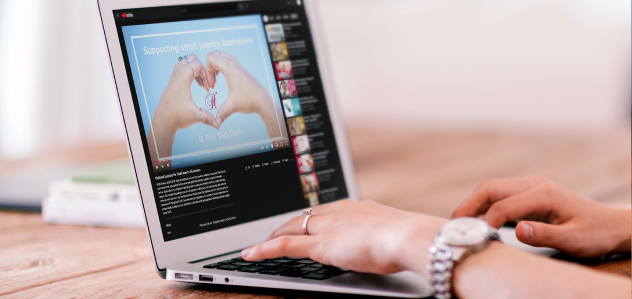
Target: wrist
{"type": "Point", "coordinates": [622, 233]}
{"type": "Point", "coordinates": [262, 104]}
{"type": "Point", "coordinates": [265, 110]}
{"type": "Point", "coordinates": [162, 125]}
{"type": "Point", "coordinates": [466, 274]}
{"type": "Point", "coordinates": [414, 251]}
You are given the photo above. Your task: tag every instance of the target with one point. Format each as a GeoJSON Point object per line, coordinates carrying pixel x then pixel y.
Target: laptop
{"type": "Point", "coordinates": [233, 129]}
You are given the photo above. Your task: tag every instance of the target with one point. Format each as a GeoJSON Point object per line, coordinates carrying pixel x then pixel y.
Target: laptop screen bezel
{"type": "Point", "coordinates": [232, 238]}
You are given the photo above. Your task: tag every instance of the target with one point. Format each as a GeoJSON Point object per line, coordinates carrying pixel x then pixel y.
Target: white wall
{"type": "Point", "coordinates": [482, 63]}
{"type": "Point", "coordinates": [449, 63]}
{"type": "Point", "coordinates": [55, 81]}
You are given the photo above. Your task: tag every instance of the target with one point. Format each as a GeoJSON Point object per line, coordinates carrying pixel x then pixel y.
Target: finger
{"type": "Point", "coordinates": [294, 246]}
{"type": "Point", "coordinates": [295, 226]}
{"type": "Point", "coordinates": [541, 234]}
{"type": "Point", "coordinates": [315, 223]}
{"type": "Point", "coordinates": [528, 205]}
{"type": "Point", "coordinates": [217, 61]}
{"type": "Point", "coordinates": [200, 71]}
{"type": "Point", "coordinates": [326, 209]}
{"type": "Point", "coordinates": [224, 111]}
{"type": "Point", "coordinates": [215, 74]}
{"type": "Point", "coordinates": [211, 76]}
{"type": "Point", "coordinates": [208, 119]}
{"type": "Point", "coordinates": [489, 192]}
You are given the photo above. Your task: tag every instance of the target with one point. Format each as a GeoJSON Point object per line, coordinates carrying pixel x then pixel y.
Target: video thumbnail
{"type": "Point", "coordinates": [309, 182]}
{"type": "Point", "coordinates": [181, 110]}
{"type": "Point", "coordinates": [296, 125]}
{"type": "Point", "coordinates": [292, 107]}
{"type": "Point", "coordinates": [301, 145]}
{"type": "Point", "coordinates": [287, 88]}
{"type": "Point", "coordinates": [279, 51]}
{"type": "Point", "coordinates": [275, 33]}
{"type": "Point", "coordinates": [312, 198]}
{"type": "Point", "coordinates": [305, 163]}
{"type": "Point", "coordinates": [283, 70]}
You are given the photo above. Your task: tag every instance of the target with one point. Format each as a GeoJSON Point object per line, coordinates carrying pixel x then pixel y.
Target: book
{"type": "Point", "coordinates": [103, 195]}
{"type": "Point", "coordinates": [92, 214]}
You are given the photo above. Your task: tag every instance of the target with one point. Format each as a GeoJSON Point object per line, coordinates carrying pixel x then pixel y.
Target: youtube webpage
{"type": "Point", "coordinates": [233, 115]}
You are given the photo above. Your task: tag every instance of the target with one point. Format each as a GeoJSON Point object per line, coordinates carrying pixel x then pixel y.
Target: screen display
{"type": "Point", "coordinates": [232, 111]}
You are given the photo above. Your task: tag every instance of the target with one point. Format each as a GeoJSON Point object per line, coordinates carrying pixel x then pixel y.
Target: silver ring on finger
{"type": "Point", "coordinates": [191, 65]}
{"type": "Point", "coordinates": [308, 212]}
{"type": "Point", "coordinates": [305, 232]}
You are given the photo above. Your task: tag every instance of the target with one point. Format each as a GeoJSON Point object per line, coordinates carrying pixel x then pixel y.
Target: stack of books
{"type": "Point", "coordinates": [104, 195]}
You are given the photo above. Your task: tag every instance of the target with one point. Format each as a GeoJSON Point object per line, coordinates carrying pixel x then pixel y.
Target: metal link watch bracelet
{"type": "Point", "coordinates": [456, 239]}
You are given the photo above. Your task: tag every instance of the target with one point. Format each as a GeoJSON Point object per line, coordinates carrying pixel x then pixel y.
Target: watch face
{"type": "Point", "coordinates": [464, 231]}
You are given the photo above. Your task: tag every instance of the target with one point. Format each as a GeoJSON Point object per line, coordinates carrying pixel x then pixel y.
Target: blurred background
{"type": "Point", "coordinates": [459, 65]}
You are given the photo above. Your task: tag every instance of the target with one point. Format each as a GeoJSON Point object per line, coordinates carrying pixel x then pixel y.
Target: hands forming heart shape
{"type": "Point", "coordinates": [176, 109]}
{"type": "Point", "coordinates": [246, 94]}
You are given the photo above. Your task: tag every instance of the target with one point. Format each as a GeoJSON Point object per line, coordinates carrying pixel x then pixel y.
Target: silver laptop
{"type": "Point", "coordinates": [233, 129]}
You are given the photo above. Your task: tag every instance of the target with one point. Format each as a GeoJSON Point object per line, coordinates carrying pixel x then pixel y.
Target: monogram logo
{"type": "Point", "coordinates": [210, 101]}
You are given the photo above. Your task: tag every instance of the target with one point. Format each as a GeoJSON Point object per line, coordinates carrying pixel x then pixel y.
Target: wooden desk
{"type": "Point", "coordinates": [421, 171]}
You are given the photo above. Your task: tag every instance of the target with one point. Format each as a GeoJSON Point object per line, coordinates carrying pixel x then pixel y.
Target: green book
{"type": "Point", "coordinates": [115, 172]}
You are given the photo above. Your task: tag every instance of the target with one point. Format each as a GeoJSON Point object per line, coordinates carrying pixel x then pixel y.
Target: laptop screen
{"type": "Point", "coordinates": [232, 110]}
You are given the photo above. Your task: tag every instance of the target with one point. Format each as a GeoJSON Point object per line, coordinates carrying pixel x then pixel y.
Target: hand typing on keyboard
{"type": "Point", "coordinates": [369, 237]}
{"type": "Point", "coordinates": [286, 266]}
{"type": "Point", "coordinates": [361, 236]}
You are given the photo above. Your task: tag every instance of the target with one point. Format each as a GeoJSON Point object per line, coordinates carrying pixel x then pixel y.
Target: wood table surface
{"type": "Point", "coordinates": [417, 170]}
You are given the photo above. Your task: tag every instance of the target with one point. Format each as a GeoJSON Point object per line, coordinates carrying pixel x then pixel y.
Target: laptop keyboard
{"type": "Point", "coordinates": [287, 266]}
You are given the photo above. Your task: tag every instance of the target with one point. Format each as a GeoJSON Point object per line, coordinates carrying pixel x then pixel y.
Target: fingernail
{"type": "Point", "coordinates": [527, 232]}
{"type": "Point", "coordinates": [245, 253]}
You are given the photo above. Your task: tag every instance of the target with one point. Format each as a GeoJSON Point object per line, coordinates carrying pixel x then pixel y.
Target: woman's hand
{"type": "Point", "coordinates": [176, 105]}
{"type": "Point", "coordinates": [245, 94]}
{"type": "Point", "coordinates": [361, 236]}
{"type": "Point", "coordinates": [176, 109]}
{"type": "Point", "coordinates": [558, 217]}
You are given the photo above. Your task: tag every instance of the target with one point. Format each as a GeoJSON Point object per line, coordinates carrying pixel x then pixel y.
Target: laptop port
{"type": "Point", "coordinates": [184, 276]}
{"type": "Point", "coordinates": [206, 278]}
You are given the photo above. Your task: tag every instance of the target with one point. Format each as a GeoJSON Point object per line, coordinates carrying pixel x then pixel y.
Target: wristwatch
{"type": "Point", "coordinates": [454, 241]}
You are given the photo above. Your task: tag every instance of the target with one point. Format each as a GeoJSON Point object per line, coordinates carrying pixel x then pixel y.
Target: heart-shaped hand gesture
{"type": "Point", "coordinates": [176, 109]}
{"type": "Point", "coordinates": [245, 94]}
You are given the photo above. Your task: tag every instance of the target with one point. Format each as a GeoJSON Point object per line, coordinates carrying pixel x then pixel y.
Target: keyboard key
{"type": "Point", "coordinates": [318, 265]}
{"type": "Point", "coordinates": [281, 261]}
{"type": "Point", "coordinates": [226, 262]}
{"type": "Point", "coordinates": [293, 258]}
{"type": "Point", "coordinates": [252, 269]}
{"type": "Point", "coordinates": [293, 265]}
{"type": "Point", "coordinates": [239, 259]}
{"type": "Point", "coordinates": [294, 273]}
{"type": "Point", "coordinates": [309, 268]}
{"type": "Point", "coordinates": [213, 265]}
{"type": "Point", "coordinates": [330, 272]}
{"type": "Point", "coordinates": [243, 264]}
{"type": "Point", "coordinates": [306, 262]}
{"type": "Point", "coordinates": [274, 270]}
{"type": "Point", "coordinates": [268, 264]}
{"type": "Point", "coordinates": [229, 267]}
{"type": "Point", "coordinates": [316, 276]}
